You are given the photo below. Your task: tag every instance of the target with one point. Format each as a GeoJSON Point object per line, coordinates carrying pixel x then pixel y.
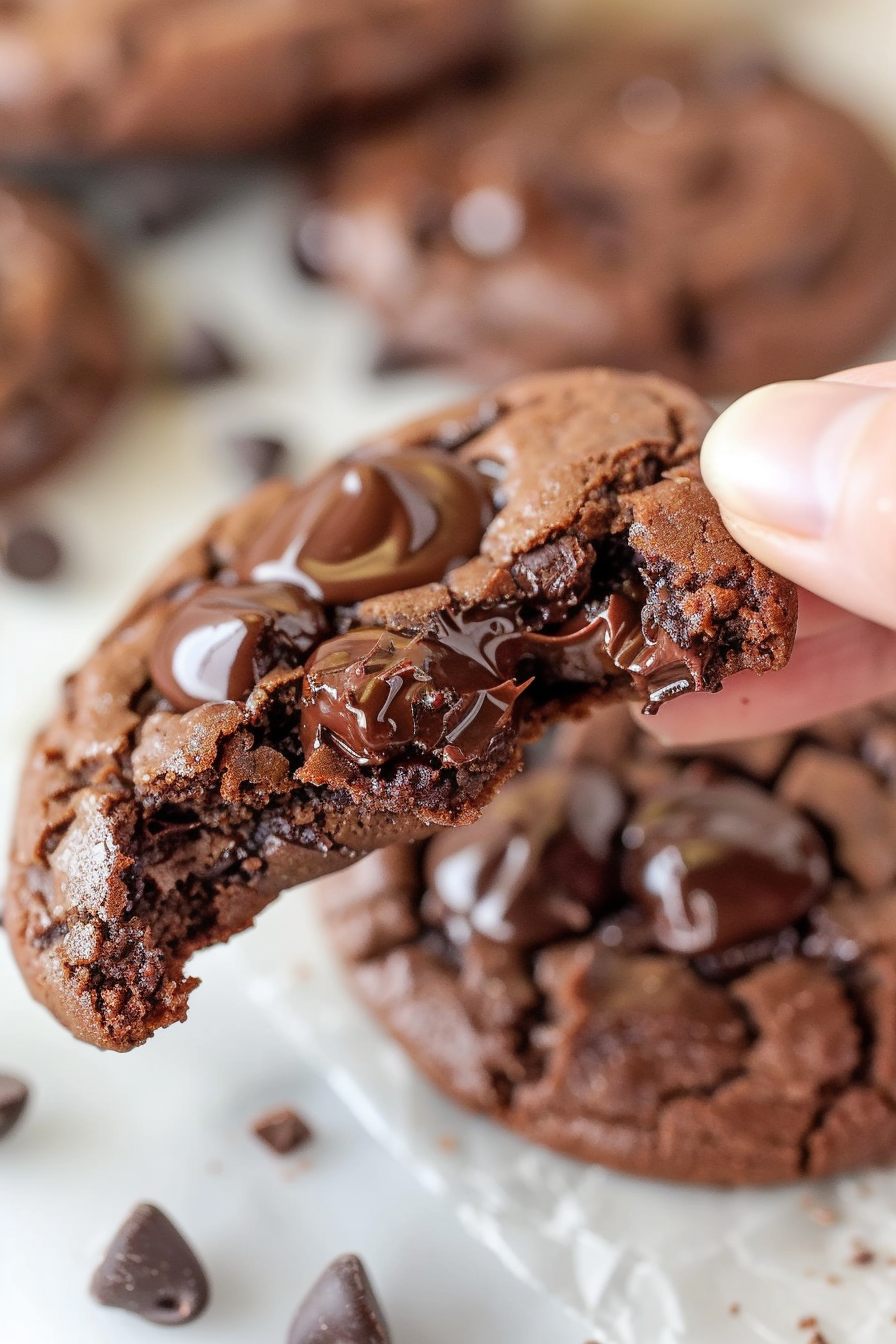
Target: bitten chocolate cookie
{"type": "Point", "coordinates": [62, 335]}
{"type": "Point", "coordinates": [687, 210]}
{"type": "Point", "coordinates": [112, 76]}
{"type": "Point", "coordinates": [679, 966]}
{"type": "Point", "coordinates": [342, 664]}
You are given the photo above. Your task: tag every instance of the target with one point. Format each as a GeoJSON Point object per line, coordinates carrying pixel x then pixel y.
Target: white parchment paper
{"type": "Point", "coordinates": [641, 1262]}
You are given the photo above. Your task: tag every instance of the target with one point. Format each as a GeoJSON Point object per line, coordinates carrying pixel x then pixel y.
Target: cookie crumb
{"type": "Point", "coordinates": [807, 1323]}
{"type": "Point", "coordinates": [283, 1130]}
{"type": "Point", "coordinates": [448, 1143]}
{"type": "Point", "coordinates": [832, 1279]}
{"type": "Point", "coordinates": [734, 1309]}
{"type": "Point", "coordinates": [818, 1338]}
{"type": "Point", "coordinates": [862, 1254]}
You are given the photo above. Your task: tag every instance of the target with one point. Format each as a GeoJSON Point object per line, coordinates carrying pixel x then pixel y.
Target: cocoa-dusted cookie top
{"type": "Point", "coordinates": [213, 76]}
{"type": "Point", "coordinates": [346, 663]}
{"type": "Point", "coordinates": [685, 209]}
{"type": "Point", "coordinates": [678, 965]}
{"type": "Point", "coordinates": [62, 333]}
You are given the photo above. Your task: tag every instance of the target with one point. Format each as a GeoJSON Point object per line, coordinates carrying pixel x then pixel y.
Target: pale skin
{"type": "Point", "coordinates": [805, 476]}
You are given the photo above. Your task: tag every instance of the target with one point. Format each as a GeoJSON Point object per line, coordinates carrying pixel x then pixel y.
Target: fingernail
{"type": "Point", "coordinates": [780, 455]}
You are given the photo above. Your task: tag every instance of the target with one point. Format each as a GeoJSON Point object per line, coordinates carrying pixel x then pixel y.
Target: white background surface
{"type": "Point", "coordinates": [168, 1123]}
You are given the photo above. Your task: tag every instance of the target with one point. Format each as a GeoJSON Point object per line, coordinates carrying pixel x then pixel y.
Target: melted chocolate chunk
{"type": "Point", "coordinates": [13, 1100]}
{"type": "Point", "coordinates": [719, 867]}
{"type": "Point", "coordinates": [372, 694]}
{"type": "Point", "coordinates": [150, 1270]}
{"type": "Point", "coordinates": [341, 1308]}
{"type": "Point", "coordinates": [221, 640]}
{"type": "Point", "coordinates": [534, 868]}
{"type": "Point", "coordinates": [365, 528]}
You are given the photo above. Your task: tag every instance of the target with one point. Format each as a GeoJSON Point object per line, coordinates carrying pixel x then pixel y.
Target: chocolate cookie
{"type": "Point", "coordinates": [62, 334]}
{"type": "Point", "coordinates": [343, 664]}
{"type": "Point", "coordinates": [681, 966]}
{"type": "Point", "coordinates": [687, 210]}
{"type": "Point", "coordinates": [103, 76]}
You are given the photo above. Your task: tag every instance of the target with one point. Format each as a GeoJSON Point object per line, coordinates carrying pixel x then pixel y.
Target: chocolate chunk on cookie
{"type": "Point", "coordinates": [681, 209]}
{"type": "Point", "coordinates": [213, 76]}
{"type": "Point", "coordinates": [337, 666]}
{"type": "Point", "coordinates": [686, 972]}
{"type": "Point", "coordinates": [62, 332]}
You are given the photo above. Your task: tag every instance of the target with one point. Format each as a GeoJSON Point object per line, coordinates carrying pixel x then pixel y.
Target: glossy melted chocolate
{"type": "Point", "coordinates": [372, 694]}
{"type": "Point", "coordinates": [365, 528]}
{"type": "Point", "coordinates": [714, 867]}
{"type": "Point", "coordinates": [536, 866]}
{"type": "Point", "coordinates": [215, 645]}
{"type": "Point", "coordinates": [377, 524]}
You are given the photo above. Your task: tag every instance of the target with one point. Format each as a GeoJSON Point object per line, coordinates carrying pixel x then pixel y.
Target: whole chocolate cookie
{"type": "Point", "coordinates": [681, 966]}
{"type": "Point", "coordinates": [62, 334]}
{"type": "Point", "coordinates": [101, 76]}
{"type": "Point", "coordinates": [686, 210]}
{"type": "Point", "coordinates": [339, 665]}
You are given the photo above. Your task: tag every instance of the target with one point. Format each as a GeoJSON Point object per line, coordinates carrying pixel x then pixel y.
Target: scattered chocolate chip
{"type": "Point", "coordinates": [201, 355]}
{"type": "Point", "coordinates": [393, 357]}
{"type": "Point", "coordinates": [341, 1308]}
{"type": "Point", "coordinates": [30, 552]}
{"type": "Point", "coordinates": [13, 1100]}
{"type": "Point", "coordinates": [283, 1130]}
{"type": "Point", "coordinates": [150, 1270]}
{"type": "Point", "coordinates": [258, 456]}
{"type": "Point", "coordinates": [862, 1254]}
{"type": "Point", "coordinates": [144, 201]}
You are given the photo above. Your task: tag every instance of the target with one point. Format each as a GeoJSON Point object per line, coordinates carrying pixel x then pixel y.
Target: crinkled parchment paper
{"type": "Point", "coordinates": [641, 1262]}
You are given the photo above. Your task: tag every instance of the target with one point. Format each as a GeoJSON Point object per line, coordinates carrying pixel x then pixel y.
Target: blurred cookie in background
{"type": "Point", "coordinates": [679, 208]}
{"type": "Point", "coordinates": [98, 76]}
{"type": "Point", "coordinates": [62, 336]}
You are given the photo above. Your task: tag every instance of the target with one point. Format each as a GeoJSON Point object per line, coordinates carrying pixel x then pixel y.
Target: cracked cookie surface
{"type": "Point", "coordinates": [680, 966]}
{"type": "Point", "coordinates": [341, 665]}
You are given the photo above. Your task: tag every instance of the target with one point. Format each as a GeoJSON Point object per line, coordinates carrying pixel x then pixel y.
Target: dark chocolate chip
{"type": "Point", "coordinates": [283, 1130]}
{"type": "Point", "coordinates": [13, 1100]}
{"type": "Point", "coordinates": [393, 357]}
{"type": "Point", "coordinates": [340, 1309]}
{"type": "Point", "coordinates": [258, 456]}
{"type": "Point", "coordinates": [150, 1270]}
{"type": "Point", "coordinates": [30, 552]}
{"type": "Point", "coordinates": [151, 200]}
{"type": "Point", "coordinates": [202, 355]}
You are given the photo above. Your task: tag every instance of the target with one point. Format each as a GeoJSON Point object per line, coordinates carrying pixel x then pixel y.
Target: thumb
{"type": "Point", "coordinates": [805, 476]}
